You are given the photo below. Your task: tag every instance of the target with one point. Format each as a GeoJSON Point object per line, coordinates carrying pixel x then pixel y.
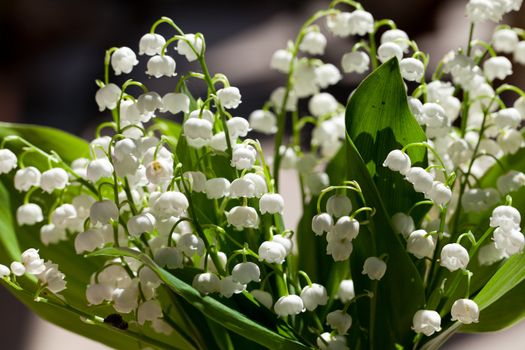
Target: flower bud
{"type": "Point", "coordinates": [397, 160]}
{"type": "Point", "coordinates": [159, 66]}
{"type": "Point", "coordinates": [26, 178]}
{"type": "Point", "coordinates": [4, 271]}
{"type": "Point", "coordinates": [340, 321]}
{"type": "Point", "coordinates": [388, 50]}
{"type": "Point", "coordinates": [465, 311]}
{"type": "Point", "coordinates": [29, 214]}
{"type": "Point", "coordinates": [272, 252]}
{"type": "Point", "coordinates": [243, 157]}
{"type": "Point", "coordinates": [345, 292]}
{"type": "Point", "coordinates": [170, 203]}
{"type": "Point", "coordinates": [314, 296]}
{"type": "Point", "coordinates": [229, 286]}
{"type": "Point", "coordinates": [313, 43]}
{"type": "Point", "coordinates": [242, 217]}
{"type": "Point", "coordinates": [54, 179]}
{"type": "Point", "coordinates": [263, 121]}
{"type": "Point", "coordinates": [123, 60]}
{"type": "Point", "coordinates": [107, 97]}
{"type": "Point", "coordinates": [149, 311]}
{"type": "Point", "coordinates": [374, 267]}
{"type": "Point", "coordinates": [17, 268]}
{"type": "Point", "coordinates": [322, 223]}
{"type": "Point", "coordinates": [229, 97]}
{"type": "Point", "coordinates": [322, 104]}
{"type": "Point", "coordinates": [403, 224]}
{"type": "Point", "coordinates": [206, 283]}
{"type": "Point", "coordinates": [246, 272]}
{"type": "Point", "coordinates": [420, 178]}
{"type": "Point", "coordinates": [427, 322]}
{"type": "Point", "coordinates": [88, 241]}
{"type": "Point", "coordinates": [289, 305]}
{"type": "Point", "coordinates": [281, 60]}
{"type": "Point", "coordinates": [98, 169]}
{"type": "Point", "coordinates": [421, 244]}
{"type": "Point", "coordinates": [497, 67]}
{"type": "Point", "coordinates": [151, 44]}
{"type": "Point", "coordinates": [184, 48]}
{"type": "Point", "coordinates": [217, 188]}
{"type": "Point", "coordinates": [104, 212]}
{"type": "Point", "coordinates": [263, 297]}
{"type": "Point", "coordinates": [454, 257]}
{"type": "Point", "coordinates": [271, 203]}
{"type": "Point", "coordinates": [355, 61]}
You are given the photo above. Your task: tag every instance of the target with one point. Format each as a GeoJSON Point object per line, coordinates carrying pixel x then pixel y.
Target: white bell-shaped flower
{"type": "Point", "coordinates": [482, 10]}
{"type": "Point", "coordinates": [88, 241]}
{"type": "Point", "coordinates": [388, 50]}
{"type": "Point", "coordinates": [129, 112]}
{"type": "Point", "coordinates": [505, 40]}
{"type": "Point", "coordinates": [125, 300]}
{"type": "Point", "coordinates": [159, 171]}
{"type": "Point", "coordinates": [421, 244]}
{"type": "Point", "coordinates": [229, 97]}
{"type": "Point", "coordinates": [345, 228]}
{"type": "Point", "coordinates": [272, 252]}
{"type": "Point", "coordinates": [313, 43]}
{"type": "Point", "coordinates": [346, 291]}
{"type": "Point", "coordinates": [206, 283]}
{"type": "Point", "coordinates": [281, 60]}
{"type": "Point", "coordinates": [374, 267]}
{"type": "Point", "coordinates": [465, 311]}
{"type": "Point", "coordinates": [151, 44]}
{"type": "Point", "coordinates": [149, 311]}
{"type": "Point", "coordinates": [507, 118]}
{"type": "Point", "coordinates": [161, 66]}
{"type": "Point", "coordinates": [420, 178]}
{"type": "Point", "coordinates": [97, 293]}
{"type": "Point", "coordinates": [140, 224]}
{"type": "Point", "coordinates": [519, 53]}
{"type": "Point", "coordinates": [175, 103]}
{"type": "Point", "coordinates": [327, 74]}
{"type": "Point", "coordinates": [403, 224]}
{"type": "Point", "coordinates": [104, 212]}
{"type": "Point", "coordinates": [54, 179]}
{"type": "Point", "coordinates": [434, 115]}
{"type": "Point", "coordinates": [398, 160]}
{"type": "Point", "coordinates": [339, 247]}
{"type": "Point", "coordinates": [197, 179]}
{"type": "Point", "coordinates": [329, 341]}
{"type": "Point", "coordinates": [241, 217]}
{"type": "Point", "coordinates": [32, 262]}
{"type": "Point", "coordinates": [123, 60]}
{"type": "Point", "coordinates": [243, 156]}
{"type": "Point", "coordinates": [497, 68]}
{"type": "Point", "coordinates": [271, 203]}
{"type": "Point", "coordinates": [289, 305]}
{"type": "Point", "coordinates": [509, 242]}
{"type": "Point", "coordinates": [64, 216]}
{"type": "Point", "coordinates": [510, 141]}
{"type": "Point", "coordinates": [29, 214]}
{"type": "Point", "coordinates": [190, 245]}
{"type": "Point", "coordinates": [170, 257]}
{"type": "Point", "coordinates": [52, 278]}
{"type": "Point", "coordinates": [149, 102]}
{"type": "Point", "coordinates": [338, 205]}
{"type": "Point", "coordinates": [355, 61]}
{"type": "Point", "coordinates": [98, 169]}
{"type": "Point", "coordinates": [313, 296]}
{"type": "Point", "coordinates": [221, 259]}
{"type": "Point", "coordinates": [360, 22]}
{"type": "Point", "coordinates": [217, 188]}
{"type": "Point", "coordinates": [50, 234]}
{"type": "Point", "coordinates": [339, 321]}
{"type": "Point", "coordinates": [412, 69]}
{"type": "Point", "coordinates": [246, 272]}
{"type": "Point", "coordinates": [396, 36]}
{"type": "Point", "coordinates": [489, 254]}
{"type": "Point", "coordinates": [238, 127]}
{"type": "Point", "coordinates": [339, 24]}
{"type": "Point", "coordinates": [263, 297]}
{"type": "Point", "coordinates": [8, 161]}
{"type": "Point", "coordinates": [184, 48]}
{"type": "Point", "coordinates": [454, 257]}
{"type": "Point", "coordinates": [316, 182]}
{"type": "Point", "coordinates": [506, 217]}
{"type": "Point", "coordinates": [107, 97]}
{"type": "Point", "coordinates": [242, 188]}
{"type": "Point", "coordinates": [17, 268]}
{"type": "Point", "coordinates": [229, 286]}
{"type": "Point", "coordinates": [440, 193]}
{"type": "Point", "coordinates": [322, 104]}
{"type": "Point", "coordinates": [25, 178]}
{"type": "Point", "coordinates": [170, 203]}
{"type": "Point", "coordinates": [427, 322]}
{"type": "Point", "coordinates": [277, 99]}
{"type": "Point", "coordinates": [263, 121]}
{"type": "Point", "coordinates": [322, 223]}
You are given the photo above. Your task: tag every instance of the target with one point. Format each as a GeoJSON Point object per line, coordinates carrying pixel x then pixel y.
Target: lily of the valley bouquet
{"type": "Point", "coordinates": [166, 231]}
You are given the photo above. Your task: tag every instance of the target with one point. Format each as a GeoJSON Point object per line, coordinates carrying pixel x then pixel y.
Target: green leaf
{"type": "Point", "coordinates": [378, 120]}
{"type": "Point", "coordinates": [211, 308]}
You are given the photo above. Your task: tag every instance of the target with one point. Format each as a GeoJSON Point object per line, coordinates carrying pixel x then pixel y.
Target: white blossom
{"type": "Point", "coordinates": [246, 272]}
{"type": "Point", "coordinates": [176, 102]}
{"type": "Point", "coordinates": [374, 267]}
{"type": "Point", "coordinates": [412, 69]}
{"type": "Point", "coordinates": [346, 291]}
{"type": "Point", "coordinates": [184, 47]}
{"type": "Point", "coordinates": [388, 50]}
{"type": "Point", "coordinates": [217, 188]}
{"type": "Point", "coordinates": [54, 179]}
{"type": "Point", "coordinates": [509, 241]}
{"type": "Point", "coordinates": [263, 297]}
{"type": "Point", "coordinates": [104, 212]}
{"type": "Point", "coordinates": [420, 178]}
{"type": "Point", "coordinates": [327, 74]}
{"type": "Point", "coordinates": [497, 67]}
{"type": "Point", "coordinates": [427, 322]}
{"type": "Point", "coordinates": [396, 36]}
{"type": "Point", "coordinates": [272, 252]}
{"type": "Point", "coordinates": [313, 296]}
{"type": "Point", "coordinates": [29, 214]}
{"type": "Point", "coordinates": [25, 178]}
{"type": "Point", "coordinates": [360, 22]}
{"type": "Point", "coordinates": [398, 160]}
{"type": "Point", "coordinates": [281, 60]}
{"type": "Point", "coordinates": [123, 60]}
{"type": "Point", "coordinates": [170, 257]}
{"type": "Point", "coordinates": [465, 311]}
{"type": "Point", "coordinates": [339, 321]}
{"type": "Point", "coordinates": [403, 224]}
{"type": "Point", "coordinates": [505, 40]}
{"type": "Point", "coordinates": [289, 305]}
{"type": "Point", "coordinates": [313, 43]}
{"type": "Point", "coordinates": [151, 44]}
{"type": "Point", "coordinates": [206, 283]}
{"type": "Point", "coordinates": [140, 224]}
{"type": "Point", "coordinates": [271, 203]}
{"type": "Point", "coordinates": [242, 217]}
{"type": "Point", "coordinates": [355, 61]}
{"type": "Point", "coordinates": [88, 241]}
{"type": "Point", "coordinates": [159, 66]}
{"type": "Point", "coordinates": [421, 244]}
{"type": "Point", "coordinates": [107, 96]}
{"type": "Point", "coordinates": [506, 217]}
{"type": "Point", "coordinates": [170, 203]}
{"type": "Point", "coordinates": [190, 245]}
{"type": "Point", "coordinates": [32, 261]}
{"type": "Point", "coordinates": [229, 97]}
{"type": "Point", "coordinates": [242, 187]}
{"type": "Point", "coordinates": [454, 257]}
{"type": "Point", "coordinates": [243, 156]}
{"type": "Point", "coordinates": [322, 223]}
{"type": "Point", "coordinates": [229, 286]}
{"type": "Point", "coordinates": [263, 121]}
{"type": "Point", "coordinates": [149, 311]}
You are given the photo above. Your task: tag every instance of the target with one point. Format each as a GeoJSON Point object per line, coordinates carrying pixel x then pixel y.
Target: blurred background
{"type": "Point", "coordinates": [53, 50]}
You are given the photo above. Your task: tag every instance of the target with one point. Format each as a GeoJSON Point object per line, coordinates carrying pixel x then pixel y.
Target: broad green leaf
{"type": "Point", "coordinates": [211, 308]}
{"type": "Point", "coordinates": [378, 120]}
